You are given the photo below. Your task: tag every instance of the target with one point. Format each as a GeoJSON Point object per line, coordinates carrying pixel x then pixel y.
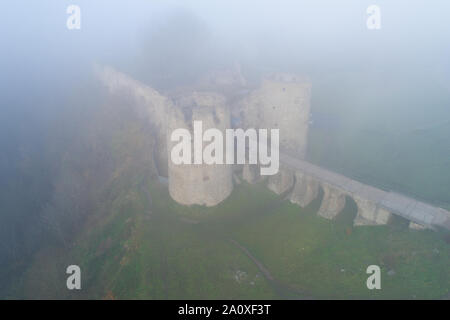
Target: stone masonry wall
{"type": "Point", "coordinates": [333, 202]}
{"type": "Point", "coordinates": [281, 102]}
{"type": "Point", "coordinates": [202, 184]}
{"type": "Point", "coordinates": [369, 213]}
{"type": "Point", "coordinates": [306, 189]}
{"type": "Point", "coordinates": [154, 106]}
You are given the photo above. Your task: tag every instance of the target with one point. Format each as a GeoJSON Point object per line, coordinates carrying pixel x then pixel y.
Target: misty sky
{"type": "Point", "coordinates": [35, 40]}
{"type": "Point", "coordinates": [42, 61]}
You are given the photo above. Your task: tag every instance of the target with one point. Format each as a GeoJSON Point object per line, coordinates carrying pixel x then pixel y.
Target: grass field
{"type": "Point", "coordinates": [142, 245]}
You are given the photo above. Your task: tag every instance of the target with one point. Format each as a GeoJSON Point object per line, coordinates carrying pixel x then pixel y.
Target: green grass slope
{"type": "Point", "coordinates": [143, 245]}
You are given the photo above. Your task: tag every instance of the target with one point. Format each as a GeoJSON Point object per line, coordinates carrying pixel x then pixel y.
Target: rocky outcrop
{"type": "Point", "coordinates": [370, 214]}
{"type": "Point", "coordinates": [333, 202]}
{"type": "Point", "coordinates": [281, 182]}
{"type": "Point", "coordinates": [306, 189]}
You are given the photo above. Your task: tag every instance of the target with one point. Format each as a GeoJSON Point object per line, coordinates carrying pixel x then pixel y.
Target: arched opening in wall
{"type": "Point", "coordinates": [285, 195]}
{"type": "Point", "coordinates": [344, 220]}
{"type": "Point", "coordinates": [315, 204]}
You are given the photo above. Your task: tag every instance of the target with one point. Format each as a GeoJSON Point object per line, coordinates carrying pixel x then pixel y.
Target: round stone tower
{"type": "Point", "coordinates": [281, 102]}
{"type": "Point", "coordinates": [202, 184]}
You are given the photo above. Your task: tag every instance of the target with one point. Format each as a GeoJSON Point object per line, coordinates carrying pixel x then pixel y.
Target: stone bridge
{"type": "Point", "coordinates": [375, 206]}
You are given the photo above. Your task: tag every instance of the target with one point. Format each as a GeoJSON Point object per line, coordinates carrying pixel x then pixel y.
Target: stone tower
{"type": "Point", "coordinates": [282, 101]}
{"type": "Point", "coordinates": [201, 184]}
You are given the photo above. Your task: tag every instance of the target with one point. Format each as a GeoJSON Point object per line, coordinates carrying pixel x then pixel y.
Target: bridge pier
{"type": "Point", "coordinates": [369, 213]}
{"type": "Point", "coordinates": [333, 202]}
{"type": "Point", "coordinates": [282, 181]}
{"type": "Point", "coordinates": [306, 189]}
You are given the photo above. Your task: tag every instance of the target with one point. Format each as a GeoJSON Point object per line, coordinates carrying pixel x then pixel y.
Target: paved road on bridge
{"type": "Point", "coordinates": [409, 208]}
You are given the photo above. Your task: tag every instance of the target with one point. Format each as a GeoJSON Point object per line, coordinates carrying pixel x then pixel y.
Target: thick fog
{"type": "Point", "coordinates": [167, 43]}
{"type": "Point", "coordinates": [310, 36]}
{"type": "Point", "coordinates": [386, 83]}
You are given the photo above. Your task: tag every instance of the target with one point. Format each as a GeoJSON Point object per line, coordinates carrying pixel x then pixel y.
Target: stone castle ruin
{"type": "Point", "coordinates": [225, 100]}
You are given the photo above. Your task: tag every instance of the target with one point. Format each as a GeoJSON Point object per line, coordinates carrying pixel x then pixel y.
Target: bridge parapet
{"type": "Point", "coordinates": [418, 212]}
{"type": "Point", "coordinates": [375, 206]}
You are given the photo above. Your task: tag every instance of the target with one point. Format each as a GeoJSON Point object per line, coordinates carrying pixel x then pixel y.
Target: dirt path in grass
{"type": "Point", "coordinates": [260, 266]}
{"type": "Point", "coordinates": [285, 291]}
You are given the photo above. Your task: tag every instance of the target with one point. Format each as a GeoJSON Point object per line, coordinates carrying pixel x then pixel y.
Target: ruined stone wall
{"type": "Point", "coordinates": [202, 184]}
{"type": "Point", "coordinates": [149, 102]}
